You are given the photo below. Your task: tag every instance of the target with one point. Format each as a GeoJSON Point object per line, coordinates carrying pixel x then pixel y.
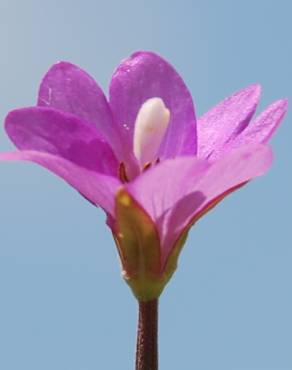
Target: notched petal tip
{"type": "Point", "coordinates": [224, 122]}
{"type": "Point", "coordinates": [262, 128]}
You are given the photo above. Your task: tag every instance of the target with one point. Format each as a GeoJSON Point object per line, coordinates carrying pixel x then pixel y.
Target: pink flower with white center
{"type": "Point", "coordinates": [142, 155]}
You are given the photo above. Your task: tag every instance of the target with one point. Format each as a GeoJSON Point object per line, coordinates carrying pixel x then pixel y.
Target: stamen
{"type": "Point", "coordinates": [122, 173]}
{"type": "Point", "coordinates": [146, 166]}
{"type": "Point", "coordinates": [150, 128]}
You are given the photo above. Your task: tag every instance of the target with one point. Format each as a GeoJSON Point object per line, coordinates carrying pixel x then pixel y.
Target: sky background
{"type": "Point", "coordinates": [63, 304]}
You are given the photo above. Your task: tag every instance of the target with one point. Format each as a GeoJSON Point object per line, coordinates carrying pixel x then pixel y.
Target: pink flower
{"type": "Point", "coordinates": [142, 155]}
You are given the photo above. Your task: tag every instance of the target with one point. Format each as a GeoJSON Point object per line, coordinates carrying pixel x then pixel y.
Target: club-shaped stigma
{"type": "Point", "coordinates": [150, 128]}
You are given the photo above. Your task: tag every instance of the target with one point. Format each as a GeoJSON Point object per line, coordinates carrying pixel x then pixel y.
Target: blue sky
{"type": "Point", "coordinates": [63, 304]}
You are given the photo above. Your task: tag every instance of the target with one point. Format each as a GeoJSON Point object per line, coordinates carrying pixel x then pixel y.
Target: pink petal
{"type": "Point", "coordinates": [97, 188]}
{"type": "Point", "coordinates": [160, 187]}
{"type": "Point", "coordinates": [166, 192]}
{"type": "Point", "coordinates": [226, 120]}
{"type": "Point", "coordinates": [227, 174]}
{"type": "Point", "coordinates": [174, 220]}
{"type": "Point", "coordinates": [235, 168]}
{"type": "Point", "coordinates": [264, 126]}
{"type": "Point", "coordinates": [62, 134]}
{"type": "Point", "coordinates": [175, 192]}
{"type": "Point", "coordinates": [68, 88]}
{"type": "Point", "coordinates": [145, 75]}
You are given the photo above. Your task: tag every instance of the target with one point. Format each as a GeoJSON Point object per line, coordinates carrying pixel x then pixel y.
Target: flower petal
{"type": "Point", "coordinates": [264, 126]}
{"type": "Point", "coordinates": [68, 88]}
{"type": "Point", "coordinates": [166, 192]}
{"type": "Point", "coordinates": [186, 187]}
{"type": "Point", "coordinates": [160, 187]}
{"type": "Point", "coordinates": [97, 188]}
{"type": "Point", "coordinates": [62, 134]}
{"type": "Point", "coordinates": [174, 220]}
{"type": "Point", "coordinates": [226, 120]}
{"type": "Point", "coordinates": [232, 170]}
{"type": "Point", "coordinates": [145, 75]}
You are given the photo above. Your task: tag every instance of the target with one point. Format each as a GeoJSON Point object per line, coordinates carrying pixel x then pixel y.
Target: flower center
{"type": "Point", "coordinates": [150, 128]}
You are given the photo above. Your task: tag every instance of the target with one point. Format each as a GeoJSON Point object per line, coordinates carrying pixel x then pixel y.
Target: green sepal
{"type": "Point", "coordinates": [139, 247]}
{"type": "Point", "coordinates": [138, 244]}
{"type": "Point", "coordinates": [171, 263]}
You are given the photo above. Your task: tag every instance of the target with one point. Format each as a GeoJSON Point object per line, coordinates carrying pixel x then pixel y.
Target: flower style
{"type": "Point", "coordinates": [142, 155]}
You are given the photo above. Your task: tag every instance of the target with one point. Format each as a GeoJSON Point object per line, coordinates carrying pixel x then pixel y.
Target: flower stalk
{"type": "Point", "coordinates": [147, 345]}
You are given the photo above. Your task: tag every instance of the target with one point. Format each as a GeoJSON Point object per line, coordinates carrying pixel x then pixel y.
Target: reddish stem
{"type": "Point", "coordinates": [147, 348]}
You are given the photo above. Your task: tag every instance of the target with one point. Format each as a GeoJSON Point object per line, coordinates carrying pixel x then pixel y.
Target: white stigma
{"type": "Point", "coordinates": [150, 128]}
